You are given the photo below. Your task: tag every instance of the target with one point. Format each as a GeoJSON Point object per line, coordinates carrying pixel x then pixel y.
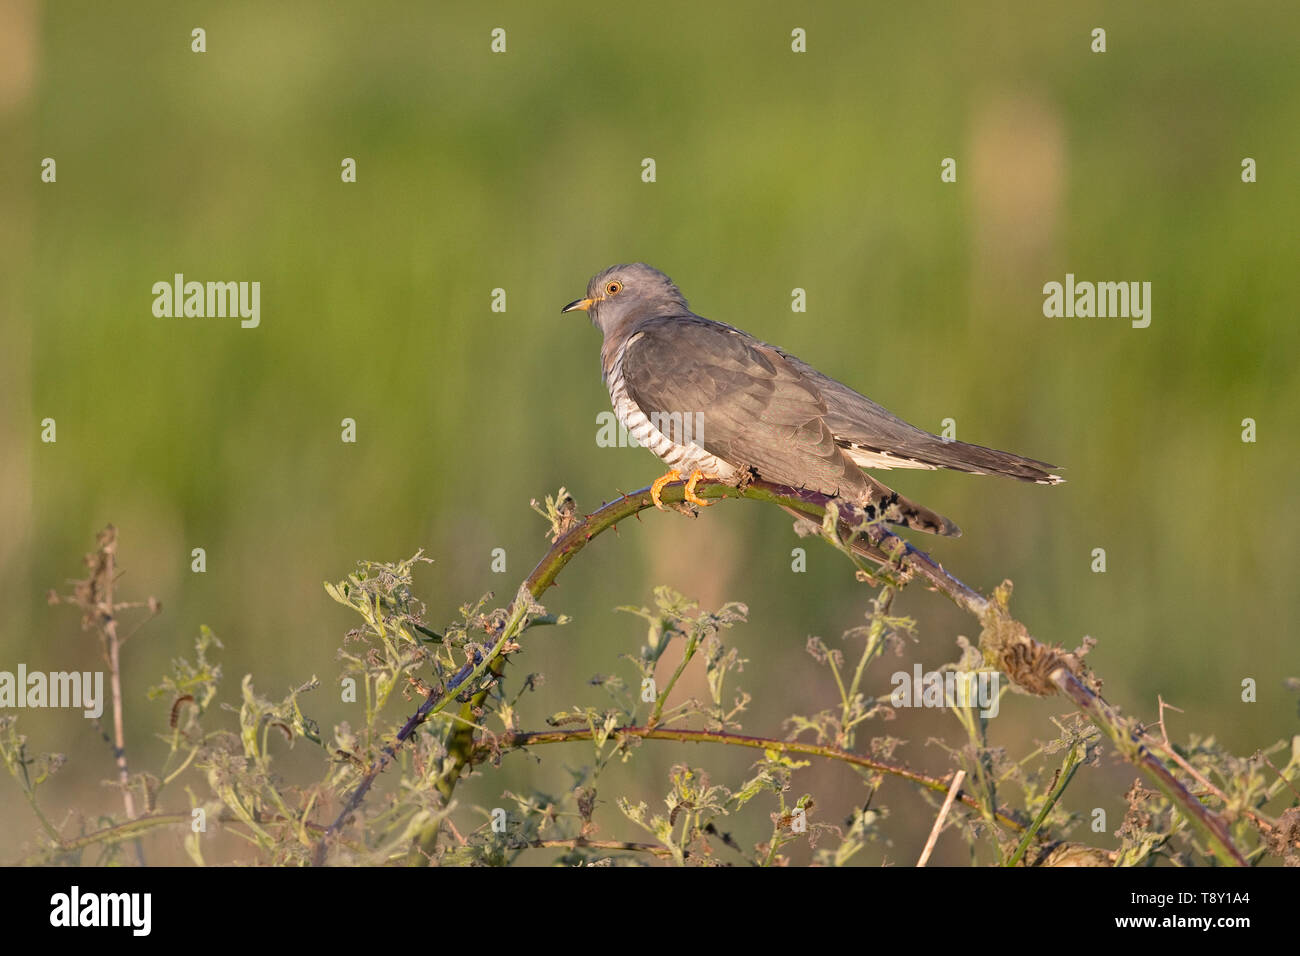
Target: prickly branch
{"type": "Point", "coordinates": [1005, 642]}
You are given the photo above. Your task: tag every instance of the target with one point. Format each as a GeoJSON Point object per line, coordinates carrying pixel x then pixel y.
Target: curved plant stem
{"type": "Point", "coordinates": [937, 784]}
{"type": "Point", "coordinates": [1063, 778]}
{"type": "Point", "coordinates": [1030, 664]}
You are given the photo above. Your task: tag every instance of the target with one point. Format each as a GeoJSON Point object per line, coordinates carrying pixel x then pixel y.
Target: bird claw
{"type": "Point", "coordinates": [696, 477]}
{"type": "Point", "coordinates": [658, 485]}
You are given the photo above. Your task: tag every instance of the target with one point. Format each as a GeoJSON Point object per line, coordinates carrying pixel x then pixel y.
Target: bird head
{"type": "Point", "coordinates": [626, 293]}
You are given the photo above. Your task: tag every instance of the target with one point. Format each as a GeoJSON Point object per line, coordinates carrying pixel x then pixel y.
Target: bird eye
{"type": "Point", "coordinates": [614, 288]}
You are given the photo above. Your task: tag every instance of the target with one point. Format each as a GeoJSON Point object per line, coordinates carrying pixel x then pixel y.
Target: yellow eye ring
{"type": "Point", "coordinates": [613, 288]}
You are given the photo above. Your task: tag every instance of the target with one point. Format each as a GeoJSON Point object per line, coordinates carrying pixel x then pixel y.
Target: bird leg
{"type": "Point", "coordinates": [658, 486]}
{"type": "Point", "coordinates": [696, 477]}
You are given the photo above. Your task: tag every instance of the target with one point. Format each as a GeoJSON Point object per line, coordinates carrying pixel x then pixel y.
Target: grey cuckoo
{"type": "Point", "coordinates": [716, 403]}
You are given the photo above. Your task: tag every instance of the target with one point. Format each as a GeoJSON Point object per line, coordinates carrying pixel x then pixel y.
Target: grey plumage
{"type": "Point", "coordinates": [758, 408]}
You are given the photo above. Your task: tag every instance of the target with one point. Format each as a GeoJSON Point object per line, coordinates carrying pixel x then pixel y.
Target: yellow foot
{"type": "Point", "coordinates": [658, 486]}
{"type": "Point", "coordinates": [696, 477]}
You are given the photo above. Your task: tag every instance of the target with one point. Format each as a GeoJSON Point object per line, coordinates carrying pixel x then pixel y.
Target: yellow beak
{"type": "Point", "coordinates": [583, 304]}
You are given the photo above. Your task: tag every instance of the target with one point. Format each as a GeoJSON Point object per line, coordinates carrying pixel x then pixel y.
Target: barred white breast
{"type": "Point", "coordinates": [685, 456]}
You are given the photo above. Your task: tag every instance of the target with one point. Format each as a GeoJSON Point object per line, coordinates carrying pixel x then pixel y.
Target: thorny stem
{"type": "Point", "coordinates": [692, 643]}
{"type": "Point", "coordinates": [1103, 715]}
{"type": "Point", "coordinates": [140, 826]}
{"type": "Point", "coordinates": [1072, 761]}
{"type": "Point", "coordinates": [875, 640]}
{"type": "Point", "coordinates": [437, 701]}
{"type": "Point", "coordinates": [94, 596]}
{"type": "Point", "coordinates": [1033, 666]}
{"type": "Point", "coordinates": [108, 623]}
{"type": "Point", "coordinates": [937, 784]}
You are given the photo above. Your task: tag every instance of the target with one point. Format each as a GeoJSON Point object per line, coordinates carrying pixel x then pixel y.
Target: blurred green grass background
{"type": "Point", "coordinates": [774, 171]}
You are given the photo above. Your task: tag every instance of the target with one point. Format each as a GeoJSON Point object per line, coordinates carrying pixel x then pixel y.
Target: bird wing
{"type": "Point", "coordinates": [874, 437]}
{"type": "Point", "coordinates": [755, 410]}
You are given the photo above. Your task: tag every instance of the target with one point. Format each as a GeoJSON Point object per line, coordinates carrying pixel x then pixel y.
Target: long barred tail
{"type": "Point", "coordinates": [905, 512]}
{"type": "Point", "coordinates": [933, 452]}
{"type": "Point", "coordinates": [979, 460]}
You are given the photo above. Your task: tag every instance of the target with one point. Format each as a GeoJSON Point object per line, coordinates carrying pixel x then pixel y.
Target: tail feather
{"type": "Point", "coordinates": [905, 512]}
{"type": "Point", "coordinates": [957, 455]}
